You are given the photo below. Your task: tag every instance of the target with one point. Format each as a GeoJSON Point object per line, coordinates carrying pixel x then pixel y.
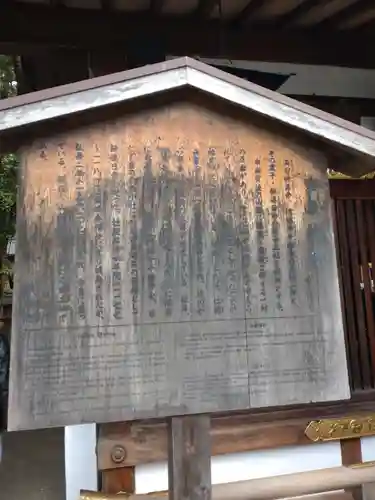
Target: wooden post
{"type": "Point", "coordinates": [189, 458]}
{"type": "Point", "coordinates": [351, 453]}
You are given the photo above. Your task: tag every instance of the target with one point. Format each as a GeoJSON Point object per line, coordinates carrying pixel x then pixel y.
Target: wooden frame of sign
{"type": "Point", "coordinates": [175, 255]}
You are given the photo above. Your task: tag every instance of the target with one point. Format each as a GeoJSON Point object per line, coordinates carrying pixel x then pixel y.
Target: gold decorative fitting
{"type": "Point", "coordinates": [340, 428]}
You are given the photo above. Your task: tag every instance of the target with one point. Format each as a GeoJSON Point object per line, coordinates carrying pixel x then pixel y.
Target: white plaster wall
{"type": "Point", "coordinates": [257, 464]}
{"type": "Point", "coordinates": [80, 460]}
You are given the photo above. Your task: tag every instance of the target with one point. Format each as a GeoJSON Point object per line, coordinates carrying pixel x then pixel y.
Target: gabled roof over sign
{"type": "Point", "coordinates": [357, 142]}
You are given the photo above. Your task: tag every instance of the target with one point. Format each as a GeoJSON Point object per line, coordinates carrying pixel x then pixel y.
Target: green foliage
{"type": "Point", "coordinates": [8, 182]}
{"type": "Point", "coordinates": [8, 163]}
{"type": "Point", "coordinates": [8, 86]}
{"type": "Point", "coordinates": [8, 190]}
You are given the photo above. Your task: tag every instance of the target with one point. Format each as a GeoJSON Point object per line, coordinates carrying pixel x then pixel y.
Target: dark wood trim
{"type": "Point", "coordinates": [289, 18]}
{"type": "Point", "coordinates": [107, 5]}
{"type": "Point", "coordinates": [346, 289]}
{"type": "Point", "coordinates": [244, 17]}
{"type": "Point", "coordinates": [35, 25]}
{"type": "Point", "coordinates": [352, 189]}
{"type": "Point", "coordinates": [353, 246]}
{"type": "Point", "coordinates": [114, 481]}
{"type": "Point", "coordinates": [205, 8]}
{"type": "Point", "coordinates": [346, 14]}
{"type": "Point", "coordinates": [145, 442]}
{"type": "Point", "coordinates": [156, 6]}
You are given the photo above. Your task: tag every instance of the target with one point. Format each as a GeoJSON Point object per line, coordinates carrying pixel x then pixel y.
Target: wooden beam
{"type": "Point", "coordinates": [107, 5]}
{"type": "Point", "coordinates": [353, 189]}
{"type": "Point", "coordinates": [245, 16]}
{"type": "Point", "coordinates": [289, 18]}
{"type": "Point", "coordinates": [346, 14]}
{"type": "Point", "coordinates": [156, 6]}
{"type": "Point", "coordinates": [147, 442]}
{"type": "Point", "coordinates": [33, 25]}
{"type": "Point", "coordinates": [144, 442]}
{"type": "Point", "coordinates": [205, 8]}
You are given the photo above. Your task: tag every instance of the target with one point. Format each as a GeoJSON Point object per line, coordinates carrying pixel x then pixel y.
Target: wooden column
{"type": "Point", "coordinates": [189, 458]}
{"type": "Point", "coordinates": [351, 453]}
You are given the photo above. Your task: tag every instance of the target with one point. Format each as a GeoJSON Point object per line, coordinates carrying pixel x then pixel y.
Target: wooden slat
{"type": "Point", "coordinates": [244, 17]}
{"type": "Point", "coordinates": [298, 12]}
{"type": "Point", "coordinates": [370, 219]}
{"type": "Point", "coordinates": [364, 257]}
{"type": "Point", "coordinates": [370, 233]}
{"type": "Point", "coordinates": [346, 14]}
{"type": "Point", "coordinates": [342, 295]}
{"type": "Point", "coordinates": [356, 280]}
{"type": "Point", "coordinates": [347, 288]}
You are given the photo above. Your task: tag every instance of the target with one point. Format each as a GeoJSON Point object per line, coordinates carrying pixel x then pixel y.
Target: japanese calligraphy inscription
{"type": "Point", "coordinates": [170, 262]}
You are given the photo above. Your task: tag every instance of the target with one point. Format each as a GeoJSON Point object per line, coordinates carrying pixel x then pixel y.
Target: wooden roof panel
{"type": "Point", "coordinates": [360, 19]}
{"type": "Point", "coordinates": [324, 11]}
{"type": "Point", "coordinates": [132, 5]}
{"type": "Point", "coordinates": [352, 144]}
{"type": "Point", "coordinates": [230, 8]}
{"type": "Point", "coordinates": [179, 6]}
{"type": "Point", "coordinates": [83, 4]}
{"type": "Point", "coordinates": [259, 10]}
{"type": "Point", "coordinates": [44, 2]}
{"type": "Point", "coordinates": [275, 8]}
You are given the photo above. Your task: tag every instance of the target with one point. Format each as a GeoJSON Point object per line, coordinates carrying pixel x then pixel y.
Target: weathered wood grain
{"type": "Point", "coordinates": [175, 261]}
{"type": "Point", "coordinates": [147, 442]}
{"type": "Point", "coordinates": [189, 458]}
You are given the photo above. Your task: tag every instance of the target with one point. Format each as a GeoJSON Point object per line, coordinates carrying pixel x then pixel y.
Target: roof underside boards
{"type": "Point", "coordinates": [340, 14]}
{"type": "Point", "coordinates": [358, 142]}
{"type": "Point", "coordinates": [136, 32]}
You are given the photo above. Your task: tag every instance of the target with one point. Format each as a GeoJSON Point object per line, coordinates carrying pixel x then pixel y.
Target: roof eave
{"type": "Point", "coordinates": [355, 140]}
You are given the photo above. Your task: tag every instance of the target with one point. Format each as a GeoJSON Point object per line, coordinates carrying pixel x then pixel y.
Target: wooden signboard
{"type": "Point", "coordinates": [173, 261]}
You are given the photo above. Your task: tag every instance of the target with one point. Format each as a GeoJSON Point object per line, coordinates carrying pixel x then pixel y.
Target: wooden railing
{"type": "Point", "coordinates": [354, 206]}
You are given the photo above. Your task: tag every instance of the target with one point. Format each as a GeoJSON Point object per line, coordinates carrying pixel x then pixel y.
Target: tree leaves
{"type": "Point", "coordinates": [8, 163]}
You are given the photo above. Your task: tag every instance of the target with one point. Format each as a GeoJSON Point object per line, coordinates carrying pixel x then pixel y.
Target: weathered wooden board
{"type": "Point", "coordinates": [189, 458]}
{"type": "Point", "coordinates": [171, 262]}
